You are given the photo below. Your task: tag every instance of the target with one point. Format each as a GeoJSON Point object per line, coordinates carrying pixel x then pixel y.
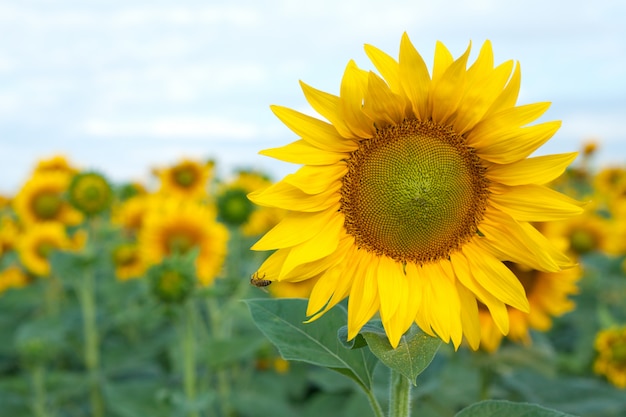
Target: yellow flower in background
{"type": "Point", "coordinates": [579, 235]}
{"type": "Point", "coordinates": [90, 193]}
{"type": "Point", "coordinates": [13, 277]}
{"type": "Point", "coordinates": [235, 209]}
{"type": "Point", "coordinates": [178, 226]}
{"type": "Point", "coordinates": [37, 243]}
{"type": "Point", "coordinates": [128, 261]}
{"type": "Point", "coordinates": [188, 179]}
{"type": "Point", "coordinates": [548, 295]}
{"type": "Point", "coordinates": [413, 192]}
{"type": "Point", "coordinates": [55, 164]}
{"type": "Point", "coordinates": [9, 232]}
{"type": "Point", "coordinates": [131, 213]}
{"type": "Point", "coordinates": [611, 360]}
{"type": "Point", "coordinates": [41, 199]}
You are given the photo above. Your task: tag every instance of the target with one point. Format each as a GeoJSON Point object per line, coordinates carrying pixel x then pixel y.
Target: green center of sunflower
{"type": "Point", "coordinates": [90, 193]}
{"type": "Point", "coordinates": [583, 241]}
{"type": "Point", "coordinates": [234, 207]}
{"type": "Point", "coordinates": [44, 249]}
{"type": "Point", "coordinates": [180, 243]}
{"type": "Point", "coordinates": [185, 177]}
{"type": "Point", "coordinates": [47, 205]}
{"type": "Point", "coordinates": [125, 255]}
{"type": "Point", "coordinates": [414, 192]}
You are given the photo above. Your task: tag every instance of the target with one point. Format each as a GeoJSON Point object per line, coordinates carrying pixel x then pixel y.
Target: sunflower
{"type": "Point", "coordinates": [12, 277]}
{"type": "Point", "coordinates": [37, 243]}
{"type": "Point", "coordinates": [186, 179]}
{"type": "Point", "coordinates": [413, 192]}
{"type": "Point", "coordinates": [55, 164]}
{"type": "Point", "coordinates": [547, 294]}
{"type": "Point", "coordinates": [177, 227]}
{"type": "Point", "coordinates": [128, 261]}
{"type": "Point", "coordinates": [235, 209]}
{"type": "Point", "coordinates": [611, 360]}
{"type": "Point", "coordinates": [90, 193]}
{"type": "Point", "coordinates": [9, 232]}
{"type": "Point", "coordinates": [41, 199]}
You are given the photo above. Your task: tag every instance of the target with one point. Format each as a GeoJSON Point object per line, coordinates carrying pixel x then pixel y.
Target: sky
{"type": "Point", "coordinates": [123, 86]}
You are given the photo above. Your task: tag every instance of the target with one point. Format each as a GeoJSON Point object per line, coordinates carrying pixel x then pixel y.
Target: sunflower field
{"type": "Point", "coordinates": [499, 291]}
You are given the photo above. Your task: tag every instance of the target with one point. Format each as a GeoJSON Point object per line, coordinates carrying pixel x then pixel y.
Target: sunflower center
{"type": "Point", "coordinates": [583, 241]}
{"type": "Point", "coordinates": [234, 207]}
{"type": "Point", "coordinates": [413, 192]}
{"type": "Point", "coordinates": [47, 205]}
{"type": "Point", "coordinates": [44, 249]}
{"type": "Point", "coordinates": [185, 177]}
{"type": "Point", "coordinates": [125, 255]}
{"type": "Point", "coordinates": [180, 243]}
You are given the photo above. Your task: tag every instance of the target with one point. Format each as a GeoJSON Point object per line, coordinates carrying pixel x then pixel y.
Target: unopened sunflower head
{"type": "Point", "coordinates": [413, 190]}
{"type": "Point", "coordinates": [173, 280]}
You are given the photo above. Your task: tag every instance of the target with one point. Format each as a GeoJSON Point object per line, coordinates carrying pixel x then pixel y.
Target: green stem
{"type": "Point", "coordinates": [223, 385]}
{"type": "Point", "coordinates": [39, 394]}
{"type": "Point", "coordinates": [189, 357]}
{"type": "Point", "coordinates": [92, 355]}
{"type": "Point", "coordinates": [376, 408]}
{"type": "Point", "coordinates": [399, 395]}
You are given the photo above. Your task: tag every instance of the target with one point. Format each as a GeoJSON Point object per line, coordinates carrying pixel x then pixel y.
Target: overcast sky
{"type": "Point", "coordinates": [124, 85]}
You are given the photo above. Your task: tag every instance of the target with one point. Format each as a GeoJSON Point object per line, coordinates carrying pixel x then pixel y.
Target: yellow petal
{"type": "Point", "coordinates": [537, 170]}
{"type": "Point", "coordinates": [354, 85]}
{"type": "Point", "coordinates": [390, 277]}
{"type": "Point", "coordinates": [270, 268]}
{"type": "Point", "coordinates": [448, 89]}
{"type": "Point", "coordinates": [534, 203]}
{"type": "Point", "coordinates": [497, 308]}
{"type": "Point", "coordinates": [381, 105]}
{"type": "Point", "coordinates": [314, 268]}
{"type": "Point", "coordinates": [469, 315]}
{"type": "Point", "coordinates": [314, 131]}
{"type": "Point", "coordinates": [328, 106]}
{"type": "Point", "coordinates": [515, 144]}
{"type": "Point", "coordinates": [295, 228]}
{"type": "Point", "coordinates": [504, 122]}
{"type": "Point", "coordinates": [479, 96]}
{"type": "Point", "coordinates": [414, 77]}
{"type": "Point", "coordinates": [322, 291]}
{"type": "Point", "coordinates": [386, 66]}
{"type": "Point", "coordinates": [363, 302]}
{"type": "Point", "coordinates": [301, 152]}
{"type": "Point", "coordinates": [317, 247]}
{"type": "Point", "coordinates": [443, 59]}
{"type": "Point", "coordinates": [508, 97]}
{"type": "Point", "coordinates": [504, 234]}
{"type": "Point", "coordinates": [495, 277]}
{"type": "Point", "coordinates": [313, 179]}
{"type": "Point", "coordinates": [286, 196]}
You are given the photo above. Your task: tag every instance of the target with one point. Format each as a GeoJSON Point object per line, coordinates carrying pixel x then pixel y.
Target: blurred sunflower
{"type": "Point", "coordinates": [413, 192]}
{"type": "Point", "coordinates": [9, 232]}
{"type": "Point", "coordinates": [235, 209]}
{"type": "Point", "coordinates": [37, 243]}
{"type": "Point", "coordinates": [611, 360]}
{"type": "Point", "coordinates": [131, 213]}
{"type": "Point", "coordinates": [188, 179]}
{"type": "Point", "coordinates": [55, 164]}
{"type": "Point", "coordinates": [90, 193]}
{"type": "Point", "coordinates": [12, 277]}
{"type": "Point", "coordinates": [579, 235]}
{"type": "Point", "coordinates": [128, 261]}
{"type": "Point", "coordinates": [547, 294]}
{"type": "Point", "coordinates": [177, 227]}
{"type": "Point", "coordinates": [41, 199]}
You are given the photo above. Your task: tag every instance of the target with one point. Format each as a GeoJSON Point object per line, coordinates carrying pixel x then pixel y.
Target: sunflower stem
{"type": "Point", "coordinates": [223, 385]}
{"type": "Point", "coordinates": [399, 395]}
{"type": "Point", "coordinates": [376, 408]}
{"type": "Point", "coordinates": [86, 295]}
{"type": "Point", "coordinates": [39, 391]}
{"type": "Point", "coordinates": [189, 357]}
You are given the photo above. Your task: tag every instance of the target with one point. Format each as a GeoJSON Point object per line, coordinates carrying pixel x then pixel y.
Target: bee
{"type": "Point", "coordinates": [259, 282]}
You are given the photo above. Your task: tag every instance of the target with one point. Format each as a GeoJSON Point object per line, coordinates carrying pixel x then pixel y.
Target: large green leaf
{"type": "Point", "coordinates": [497, 408]}
{"type": "Point", "coordinates": [281, 320]}
{"type": "Point", "coordinates": [412, 355]}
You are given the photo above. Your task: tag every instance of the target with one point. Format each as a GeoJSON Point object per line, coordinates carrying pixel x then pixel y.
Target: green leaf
{"type": "Point", "coordinates": [414, 352]}
{"type": "Point", "coordinates": [281, 320]}
{"type": "Point", "coordinates": [496, 408]}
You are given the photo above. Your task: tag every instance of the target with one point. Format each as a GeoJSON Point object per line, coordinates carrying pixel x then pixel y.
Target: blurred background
{"type": "Point", "coordinates": [124, 85]}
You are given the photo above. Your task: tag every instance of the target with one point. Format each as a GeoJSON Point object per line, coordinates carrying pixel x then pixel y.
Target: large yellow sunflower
{"type": "Point", "coordinates": [548, 295]}
{"type": "Point", "coordinates": [178, 226]}
{"type": "Point", "coordinates": [41, 199]}
{"type": "Point", "coordinates": [413, 192]}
